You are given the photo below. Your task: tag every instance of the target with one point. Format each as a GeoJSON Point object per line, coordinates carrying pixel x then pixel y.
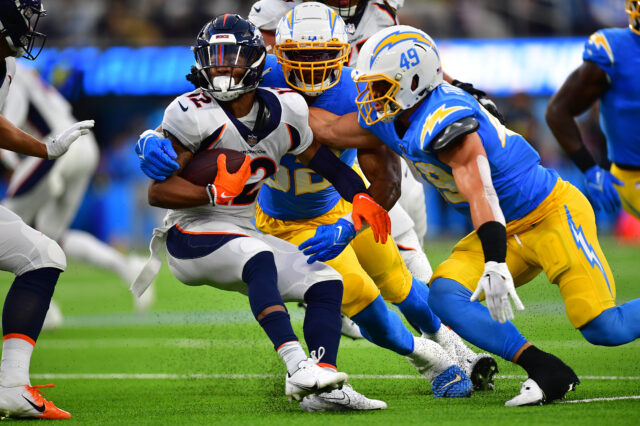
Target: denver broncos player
{"type": "Point", "coordinates": [527, 219]}
{"type": "Point", "coordinates": [36, 260]}
{"type": "Point", "coordinates": [609, 73]}
{"type": "Point", "coordinates": [363, 19]}
{"type": "Point", "coordinates": [297, 200]}
{"type": "Point", "coordinates": [209, 236]}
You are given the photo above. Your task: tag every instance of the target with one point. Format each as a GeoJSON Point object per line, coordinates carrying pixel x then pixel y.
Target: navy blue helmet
{"type": "Point", "coordinates": [18, 22]}
{"type": "Point", "coordinates": [234, 47]}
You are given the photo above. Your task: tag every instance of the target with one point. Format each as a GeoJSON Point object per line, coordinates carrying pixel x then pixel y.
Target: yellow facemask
{"type": "Point", "coordinates": [366, 101]}
{"type": "Point", "coordinates": [312, 67]}
{"type": "Point", "coordinates": [632, 7]}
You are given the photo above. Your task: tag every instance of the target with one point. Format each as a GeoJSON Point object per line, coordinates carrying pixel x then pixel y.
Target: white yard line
{"type": "Point", "coordinates": [612, 398]}
{"type": "Point", "coordinates": [161, 376]}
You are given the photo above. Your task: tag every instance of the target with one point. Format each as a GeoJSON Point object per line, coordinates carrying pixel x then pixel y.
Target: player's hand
{"type": "Point", "coordinates": [601, 191]}
{"type": "Point", "coordinates": [497, 285]}
{"type": "Point", "coordinates": [329, 241]}
{"type": "Point", "coordinates": [365, 208]}
{"type": "Point", "coordinates": [228, 186]}
{"type": "Point", "coordinates": [156, 155]}
{"type": "Point", "coordinates": [481, 97]}
{"type": "Point", "coordinates": [57, 146]}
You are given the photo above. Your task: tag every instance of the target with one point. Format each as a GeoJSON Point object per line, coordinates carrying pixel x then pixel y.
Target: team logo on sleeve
{"type": "Point", "coordinates": [599, 40]}
{"type": "Point", "coordinates": [436, 117]}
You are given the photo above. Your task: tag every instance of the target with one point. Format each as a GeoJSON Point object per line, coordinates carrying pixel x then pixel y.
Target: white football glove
{"type": "Point", "coordinates": [57, 146]}
{"type": "Point", "coordinates": [497, 284]}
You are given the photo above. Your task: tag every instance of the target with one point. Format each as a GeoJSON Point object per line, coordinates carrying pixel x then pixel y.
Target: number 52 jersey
{"type": "Point", "coordinates": [200, 123]}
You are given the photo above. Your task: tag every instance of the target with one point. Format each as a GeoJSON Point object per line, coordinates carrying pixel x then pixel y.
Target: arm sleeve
{"type": "Point", "coordinates": [344, 179]}
{"type": "Point", "coordinates": [183, 124]}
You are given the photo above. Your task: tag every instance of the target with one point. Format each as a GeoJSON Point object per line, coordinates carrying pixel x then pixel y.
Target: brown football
{"type": "Point", "coordinates": [203, 167]}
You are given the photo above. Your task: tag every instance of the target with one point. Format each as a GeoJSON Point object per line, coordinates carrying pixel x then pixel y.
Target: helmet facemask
{"type": "Point", "coordinates": [18, 21]}
{"type": "Point", "coordinates": [312, 67]}
{"type": "Point", "coordinates": [376, 100]}
{"type": "Point", "coordinates": [632, 8]}
{"type": "Point", "coordinates": [243, 63]}
{"type": "Point", "coordinates": [347, 9]}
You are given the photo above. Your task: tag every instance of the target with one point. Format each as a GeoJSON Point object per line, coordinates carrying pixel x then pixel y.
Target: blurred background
{"type": "Point", "coordinates": [121, 62]}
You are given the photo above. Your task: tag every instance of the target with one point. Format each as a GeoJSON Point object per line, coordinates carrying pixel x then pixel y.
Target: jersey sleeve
{"type": "Point", "coordinates": [296, 115]}
{"type": "Point", "coordinates": [265, 14]}
{"type": "Point", "coordinates": [440, 117]}
{"type": "Point", "coordinates": [598, 49]}
{"type": "Point", "coordinates": [275, 77]}
{"type": "Point", "coordinates": [183, 124]}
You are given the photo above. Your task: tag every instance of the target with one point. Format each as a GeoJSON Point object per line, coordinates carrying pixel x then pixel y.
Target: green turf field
{"type": "Point", "coordinates": [199, 357]}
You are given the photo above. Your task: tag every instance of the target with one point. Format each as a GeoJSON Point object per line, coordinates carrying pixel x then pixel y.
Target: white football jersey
{"type": "Point", "coordinates": [36, 107]}
{"type": "Point", "coordinates": [265, 14]}
{"type": "Point", "coordinates": [199, 123]}
{"type": "Point", "coordinates": [7, 74]}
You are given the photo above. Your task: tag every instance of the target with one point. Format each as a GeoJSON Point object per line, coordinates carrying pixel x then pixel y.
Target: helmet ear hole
{"type": "Point", "coordinates": [415, 82]}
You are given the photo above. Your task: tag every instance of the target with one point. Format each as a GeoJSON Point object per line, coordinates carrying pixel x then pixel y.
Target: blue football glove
{"type": "Point", "coordinates": [156, 155]}
{"type": "Point", "coordinates": [329, 241]}
{"type": "Point", "coordinates": [601, 191]}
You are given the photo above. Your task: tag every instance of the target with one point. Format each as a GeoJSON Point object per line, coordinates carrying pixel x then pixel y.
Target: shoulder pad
{"type": "Point", "coordinates": [451, 134]}
{"type": "Point", "coordinates": [598, 49]}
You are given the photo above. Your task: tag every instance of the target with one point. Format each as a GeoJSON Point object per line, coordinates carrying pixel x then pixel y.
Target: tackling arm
{"type": "Point", "coordinates": [381, 166]}
{"type": "Point", "coordinates": [342, 132]}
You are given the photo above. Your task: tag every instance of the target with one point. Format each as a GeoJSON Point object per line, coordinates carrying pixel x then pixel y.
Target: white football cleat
{"type": "Point", "coordinates": [350, 328]}
{"type": "Point", "coordinates": [429, 358]}
{"type": "Point", "coordinates": [345, 399]}
{"type": "Point", "coordinates": [27, 402]}
{"type": "Point", "coordinates": [310, 378]}
{"type": "Point", "coordinates": [53, 319]}
{"type": "Point", "coordinates": [530, 394]}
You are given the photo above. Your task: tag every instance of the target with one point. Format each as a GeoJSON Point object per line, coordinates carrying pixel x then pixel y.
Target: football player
{"type": "Point", "coordinates": [296, 201]}
{"type": "Point", "coordinates": [47, 193]}
{"type": "Point", "coordinates": [609, 74]}
{"type": "Point", "coordinates": [364, 18]}
{"type": "Point", "coordinates": [208, 233]}
{"type": "Point", "coordinates": [34, 258]}
{"type": "Point", "coordinates": [526, 218]}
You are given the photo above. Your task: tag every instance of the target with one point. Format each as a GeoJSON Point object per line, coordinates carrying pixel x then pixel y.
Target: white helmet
{"type": "Point", "coordinates": [407, 60]}
{"type": "Point", "coordinates": [312, 46]}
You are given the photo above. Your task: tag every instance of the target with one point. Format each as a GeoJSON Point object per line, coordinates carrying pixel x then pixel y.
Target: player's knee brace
{"type": "Point", "coordinates": [415, 307]}
{"type": "Point", "coordinates": [384, 327]}
{"type": "Point", "coordinates": [27, 302]}
{"type": "Point", "coordinates": [614, 326]}
{"type": "Point", "coordinates": [261, 276]}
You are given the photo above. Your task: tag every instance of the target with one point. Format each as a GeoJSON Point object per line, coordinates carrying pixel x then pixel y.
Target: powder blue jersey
{"type": "Point", "coordinates": [520, 182]}
{"type": "Point", "coordinates": [297, 192]}
{"type": "Point", "coordinates": [617, 52]}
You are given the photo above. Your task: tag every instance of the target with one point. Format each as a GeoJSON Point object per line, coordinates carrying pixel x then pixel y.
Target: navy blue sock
{"type": "Point", "coordinates": [27, 302]}
{"type": "Point", "coordinates": [261, 276]}
{"type": "Point", "coordinates": [614, 326]}
{"type": "Point", "coordinates": [322, 322]}
{"type": "Point", "coordinates": [383, 327]}
{"type": "Point", "coordinates": [277, 325]}
{"type": "Point", "coordinates": [415, 307]}
{"type": "Point", "coordinates": [471, 320]}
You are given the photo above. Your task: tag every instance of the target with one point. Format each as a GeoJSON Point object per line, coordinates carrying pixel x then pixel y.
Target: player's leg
{"type": "Point", "coordinates": [383, 267]}
{"type": "Point", "coordinates": [630, 192]}
{"type": "Point", "coordinates": [567, 247]}
{"type": "Point", "coordinates": [37, 262]}
{"type": "Point", "coordinates": [223, 255]}
{"type": "Point", "coordinates": [451, 288]}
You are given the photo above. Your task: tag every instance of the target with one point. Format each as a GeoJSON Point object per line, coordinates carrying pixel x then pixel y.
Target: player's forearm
{"type": "Point", "coordinates": [382, 168]}
{"type": "Point", "coordinates": [343, 178]}
{"type": "Point", "coordinates": [16, 140]}
{"type": "Point", "coordinates": [340, 132]}
{"type": "Point", "coordinates": [563, 126]}
{"type": "Point", "coordinates": [177, 193]}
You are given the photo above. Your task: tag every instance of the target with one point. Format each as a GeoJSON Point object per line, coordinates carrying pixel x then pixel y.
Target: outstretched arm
{"type": "Point", "coordinates": [342, 132]}
{"type": "Point", "coordinates": [472, 175]}
{"type": "Point", "coordinates": [381, 167]}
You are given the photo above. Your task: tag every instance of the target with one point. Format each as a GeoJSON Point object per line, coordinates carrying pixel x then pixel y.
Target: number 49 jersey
{"type": "Point", "coordinates": [518, 178]}
{"type": "Point", "coordinates": [200, 123]}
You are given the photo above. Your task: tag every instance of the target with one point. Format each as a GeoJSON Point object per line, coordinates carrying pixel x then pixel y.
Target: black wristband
{"type": "Point", "coordinates": [583, 159]}
{"type": "Point", "coordinates": [493, 237]}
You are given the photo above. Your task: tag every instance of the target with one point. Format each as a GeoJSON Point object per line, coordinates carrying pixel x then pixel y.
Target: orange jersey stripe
{"type": "Point", "coordinates": [19, 336]}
